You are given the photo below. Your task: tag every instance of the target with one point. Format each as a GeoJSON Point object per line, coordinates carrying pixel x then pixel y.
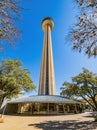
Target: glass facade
{"type": "Point", "coordinates": [43, 108]}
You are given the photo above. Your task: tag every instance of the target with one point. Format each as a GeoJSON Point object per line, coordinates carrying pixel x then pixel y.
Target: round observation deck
{"type": "Point", "coordinates": [47, 21]}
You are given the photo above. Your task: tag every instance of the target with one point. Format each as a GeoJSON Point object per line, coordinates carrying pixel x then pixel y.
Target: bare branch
{"type": "Point", "coordinates": [9, 16]}
{"type": "Point", "coordinates": [84, 33]}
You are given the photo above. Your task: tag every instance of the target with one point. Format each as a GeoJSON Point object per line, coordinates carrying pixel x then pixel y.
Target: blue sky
{"type": "Point", "coordinates": [67, 63]}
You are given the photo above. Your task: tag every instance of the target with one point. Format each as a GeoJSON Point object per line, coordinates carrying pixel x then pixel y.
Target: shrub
{"type": "Point", "coordinates": [1, 120]}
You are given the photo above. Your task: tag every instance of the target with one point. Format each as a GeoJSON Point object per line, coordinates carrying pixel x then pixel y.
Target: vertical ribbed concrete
{"type": "Point", "coordinates": [47, 81]}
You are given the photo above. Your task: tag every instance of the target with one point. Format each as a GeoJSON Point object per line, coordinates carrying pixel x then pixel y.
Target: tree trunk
{"type": "Point", "coordinates": [93, 106]}
{"type": "Point", "coordinates": [1, 100]}
{"type": "Point", "coordinates": [95, 103]}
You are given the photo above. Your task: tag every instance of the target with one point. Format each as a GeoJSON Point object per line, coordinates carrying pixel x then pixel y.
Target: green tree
{"type": "Point", "coordinates": [83, 85]}
{"type": "Point", "coordinates": [83, 35]}
{"type": "Point", "coordinates": [14, 78]}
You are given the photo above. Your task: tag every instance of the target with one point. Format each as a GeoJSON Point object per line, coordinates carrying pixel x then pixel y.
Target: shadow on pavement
{"type": "Point", "coordinates": [66, 125]}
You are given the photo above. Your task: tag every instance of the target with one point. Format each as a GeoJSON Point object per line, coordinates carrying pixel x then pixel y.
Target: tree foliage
{"type": "Point", "coordinates": [83, 85]}
{"type": "Point", "coordinates": [84, 33]}
{"type": "Point", "coordinates": [9, 15]}
{"type": "Point", "coordinates": [14, 78]}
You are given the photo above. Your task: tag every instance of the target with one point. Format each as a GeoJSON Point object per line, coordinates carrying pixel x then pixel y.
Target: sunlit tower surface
{"type": "Point", "coordinates": [47, 80]}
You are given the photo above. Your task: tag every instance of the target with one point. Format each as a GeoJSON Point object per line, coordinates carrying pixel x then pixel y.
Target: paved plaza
{"type": "Point", "coordinates": [82, 121]}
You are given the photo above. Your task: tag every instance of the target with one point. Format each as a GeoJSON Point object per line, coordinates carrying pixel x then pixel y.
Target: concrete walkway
{"type": "Point", "coordinates": [82, 121]}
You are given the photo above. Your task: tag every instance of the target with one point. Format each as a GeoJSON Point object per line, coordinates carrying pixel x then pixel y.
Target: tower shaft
{"type": "Point", "coordinates": [47, 81]}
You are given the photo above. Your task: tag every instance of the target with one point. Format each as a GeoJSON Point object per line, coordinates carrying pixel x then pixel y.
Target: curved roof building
{"type": "Point", "coordinates": [44, 99]}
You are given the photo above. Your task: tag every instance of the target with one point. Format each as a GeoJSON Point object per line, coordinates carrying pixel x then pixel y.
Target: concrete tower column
{"type": "Point", "coordinates": [47, 80]}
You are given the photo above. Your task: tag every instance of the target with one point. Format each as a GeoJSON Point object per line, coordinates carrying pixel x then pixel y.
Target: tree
{"type": "Point", "coordinates": [9, 15]}
{"type": "Point", "coordinates": [84, 33]}
{"type": "Point", "coordinates": [83, 85]}
{"type": "Point", "coordinates": [14, 78]}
